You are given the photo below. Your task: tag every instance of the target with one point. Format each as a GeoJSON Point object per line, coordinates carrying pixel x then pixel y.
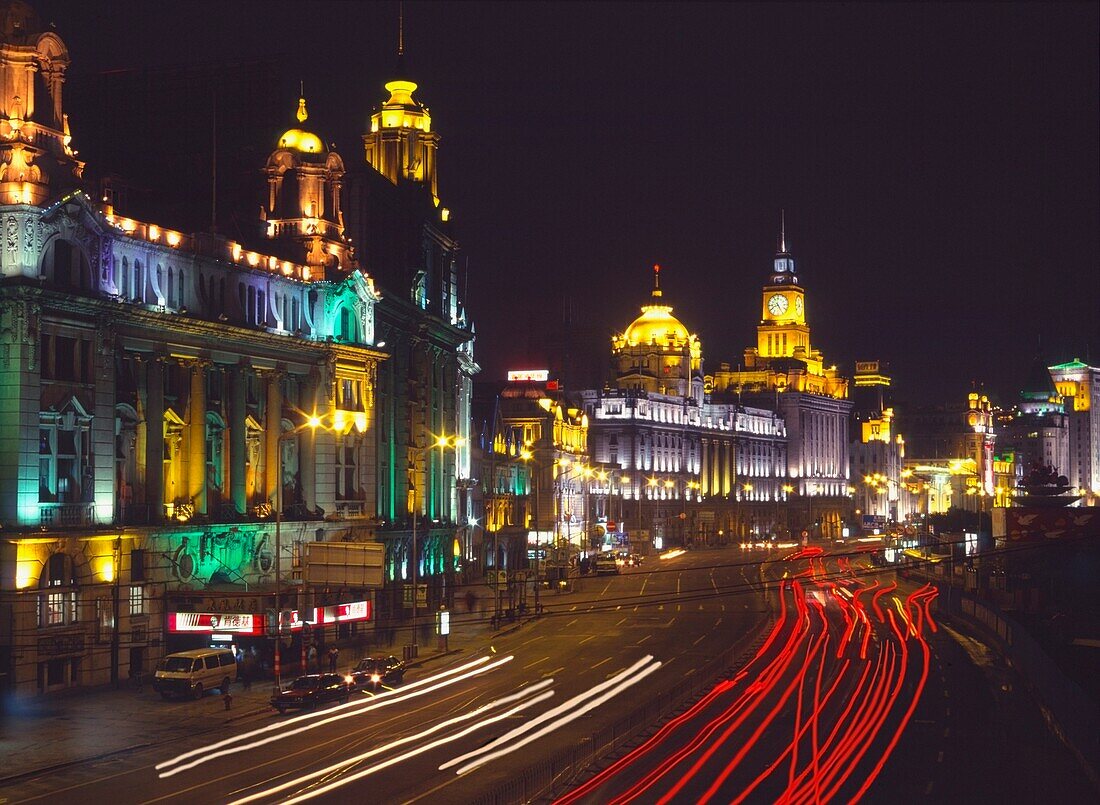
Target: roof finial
{"type": "Point", "coordinates": [782, 231]}
{"type": "Point", "coordinates": [302, 113]}
{"type": "Point", "coordinates": [656, 281]}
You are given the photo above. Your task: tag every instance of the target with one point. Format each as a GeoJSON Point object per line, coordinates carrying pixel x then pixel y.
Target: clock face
{"type": "Point", "coordinates": [798, 307]}
{"type": "Point", "coordinates": [777, 304]}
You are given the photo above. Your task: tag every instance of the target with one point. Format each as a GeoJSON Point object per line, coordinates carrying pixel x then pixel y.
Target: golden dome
{"type": "Point", "coordinates": [300, 139]}
{"type": "Point", "coordinates": [656, 325]}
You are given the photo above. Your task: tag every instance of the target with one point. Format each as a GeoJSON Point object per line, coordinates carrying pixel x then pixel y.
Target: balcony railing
{"type": "Point", "coordinates": [66, 514]}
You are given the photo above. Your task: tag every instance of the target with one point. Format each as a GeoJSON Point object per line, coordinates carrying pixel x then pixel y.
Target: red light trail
{"type": "Point", "coordinates": [840, 674]}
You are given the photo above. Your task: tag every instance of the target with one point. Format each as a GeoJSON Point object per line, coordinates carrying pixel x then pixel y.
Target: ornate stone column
{"type": "Point", "coordinates": [153, 427]}
{"type": "Point", "coordinates": [238, 449]}
{"type": "Point", "coordinates": [307, 444]}
{"type": "Point", "coordinates": [196, 437]}
{"type": "Point", "coordinates": [273, 428]}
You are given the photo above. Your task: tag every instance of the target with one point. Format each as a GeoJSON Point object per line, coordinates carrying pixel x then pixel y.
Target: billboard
{"type": "Point", "coordinates": [1033, 524]}
{"type": "Point", "coordinates": [343, 564]}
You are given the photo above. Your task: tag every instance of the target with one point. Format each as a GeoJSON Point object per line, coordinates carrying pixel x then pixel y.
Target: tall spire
{"type": "Point", "coordinates": [656, 281]}
{"type": "Point", "coordinates": [782, 231]}
{"type": "Point", "coordinates": [401, 39]}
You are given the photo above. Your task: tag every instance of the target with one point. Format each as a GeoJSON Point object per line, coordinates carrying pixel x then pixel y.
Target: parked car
{"type": "Point", "coordinates": [312, 690]}
{"type": "Point", "coordinates": [192, 673]}
{"type": "Point", "coordinates": [374, 672]}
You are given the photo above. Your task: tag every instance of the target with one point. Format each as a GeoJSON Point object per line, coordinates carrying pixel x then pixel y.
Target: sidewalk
{"type": "Point", "coordinates": [54, 732]}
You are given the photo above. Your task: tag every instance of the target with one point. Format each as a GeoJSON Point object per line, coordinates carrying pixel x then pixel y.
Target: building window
{"type": "Point", "coordinates": [347, 486]}
{"type": "Point", "coordinates": [58, 602]}
{"type": "Point", "coordinates": [64, 457]}
{"type": "Point", "coordinates": [137, 600]}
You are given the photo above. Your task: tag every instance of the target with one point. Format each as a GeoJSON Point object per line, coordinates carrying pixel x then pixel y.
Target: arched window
{"type": "Point", "coordinates": [171, 291]}
{"type": "Point", "coordinates": [124, 279]}
{"type": "Point", "coordinates": [180, 301]}
{"type": "Point", "coordinates": [137, 283]}
{"type": "Point", "coordinates": [67, 265]}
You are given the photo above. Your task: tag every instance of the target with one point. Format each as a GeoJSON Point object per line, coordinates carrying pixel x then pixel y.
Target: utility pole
{"type": "Point", "coordinates": [115, 610]}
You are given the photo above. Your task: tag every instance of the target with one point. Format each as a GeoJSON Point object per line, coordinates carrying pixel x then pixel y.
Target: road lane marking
{"type": "Point", "coordinates": [605, 589]}
{"type": "Point", "coordinates": [601, 662]}
{"type": "Point", "coordinates": [551, 673]}
{"type": "Point", "coordinates": [536, 662]}
{"type": "Point", "coordinates": [590, 637]}
{"type": "Point", "coordinates": [621, 621]}
{"type": "Point", "coordinates": [643, 639]}
{"type": "Point", "coordinates": [718, 622]}
{"type": "Point", "coordinates": [571, 622]}
{"type": "Point", "coordinates": [700, 639]}
{"type": "Point", "coordinates": [532, 640]}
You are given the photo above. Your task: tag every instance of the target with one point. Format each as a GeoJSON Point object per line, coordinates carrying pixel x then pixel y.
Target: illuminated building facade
{"type": "Point", "coordinates": [784, 373]}
{"type": "Point", "coordinates": [695, 468]}
{"type": "Point", "coordinates": [1035, 430]}
{"type": "Point", "coordinates": [1079, 385]}
{"type": "Point", "coordinates": [956, 443]}
{"type": "Point", "coordinates": [877, 449]}
{"type": "Point", "coordinates": [536, 490]}
{"type": "Point", "coordinates": [163, 394]}
{"type": "Point", "coordinates": [425, 387]}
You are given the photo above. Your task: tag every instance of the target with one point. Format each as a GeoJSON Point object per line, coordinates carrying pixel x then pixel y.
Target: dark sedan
{"type": "Point", "coordinates": [312, 690]}
{"type": "Point", "coordinates": [374, 672]}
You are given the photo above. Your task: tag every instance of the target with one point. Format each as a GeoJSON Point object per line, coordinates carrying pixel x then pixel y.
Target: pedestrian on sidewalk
{"type": "Point", "coordinates": [333, 656]}
{"type": "Point", "coordinates": [136, 679]}
{"type": "Point", "coordinates": [311, 660]}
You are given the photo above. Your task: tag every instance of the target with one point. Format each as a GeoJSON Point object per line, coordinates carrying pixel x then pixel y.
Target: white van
{"type": "Point", "coordinates": [192, 673]}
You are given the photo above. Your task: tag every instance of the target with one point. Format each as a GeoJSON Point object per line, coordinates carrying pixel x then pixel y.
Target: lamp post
{"type": "Point", "coordinates": [442, 442]}
{"type": "Point", "coordinates": [312, 422]}
{"type": "Point", "coordinates": [787, 488]}
{"type": "Point", "coordinates": [746, 488]}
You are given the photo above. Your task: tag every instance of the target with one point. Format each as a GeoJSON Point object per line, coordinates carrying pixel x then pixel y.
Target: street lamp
{"type": "Point", "coordinates": [441, 442]}
{"type": "Point", "coordinates": [787, 488]}
{"type": "Point", "coordinates": [313, 422]}
{"type": "Point", "coordinates": [746, 487]}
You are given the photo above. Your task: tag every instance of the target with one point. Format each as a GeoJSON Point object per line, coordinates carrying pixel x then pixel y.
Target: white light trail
{"type": "Point", "coordinates": [421, 750]}
{"type": "Point", "coordinates": [573, 707]}
{"type": "Point", "coordinates": [382, 700]}
{"type": "Point", "coordinates": [298, 781]}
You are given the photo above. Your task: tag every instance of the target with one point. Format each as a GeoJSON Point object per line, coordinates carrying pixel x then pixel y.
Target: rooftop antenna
{"type": "Point", "coordinates": [656, 281]}
{"type": "Point", "coordinates": [401, 38]}
{"type": "Point", "coordinates": [782, 231]}
{"type": "Point", "coordinates": [214, 163]}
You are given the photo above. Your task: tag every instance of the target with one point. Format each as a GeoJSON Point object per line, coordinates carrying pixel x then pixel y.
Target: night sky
{"type": "Point", "coordinates": [938, 163]}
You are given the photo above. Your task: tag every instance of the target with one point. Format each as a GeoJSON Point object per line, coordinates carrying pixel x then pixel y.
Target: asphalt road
{"type": "Point", "coordinates": [860, 694]}
{"type": "Point", "coordinates": [597, 654]}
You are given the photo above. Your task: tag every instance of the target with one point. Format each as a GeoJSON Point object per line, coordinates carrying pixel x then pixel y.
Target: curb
{"type": "Point", "coordinates": [4, 781]}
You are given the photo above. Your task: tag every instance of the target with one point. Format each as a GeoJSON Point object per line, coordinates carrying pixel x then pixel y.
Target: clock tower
{"type": "Point", "coordinates": [783, 332]}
